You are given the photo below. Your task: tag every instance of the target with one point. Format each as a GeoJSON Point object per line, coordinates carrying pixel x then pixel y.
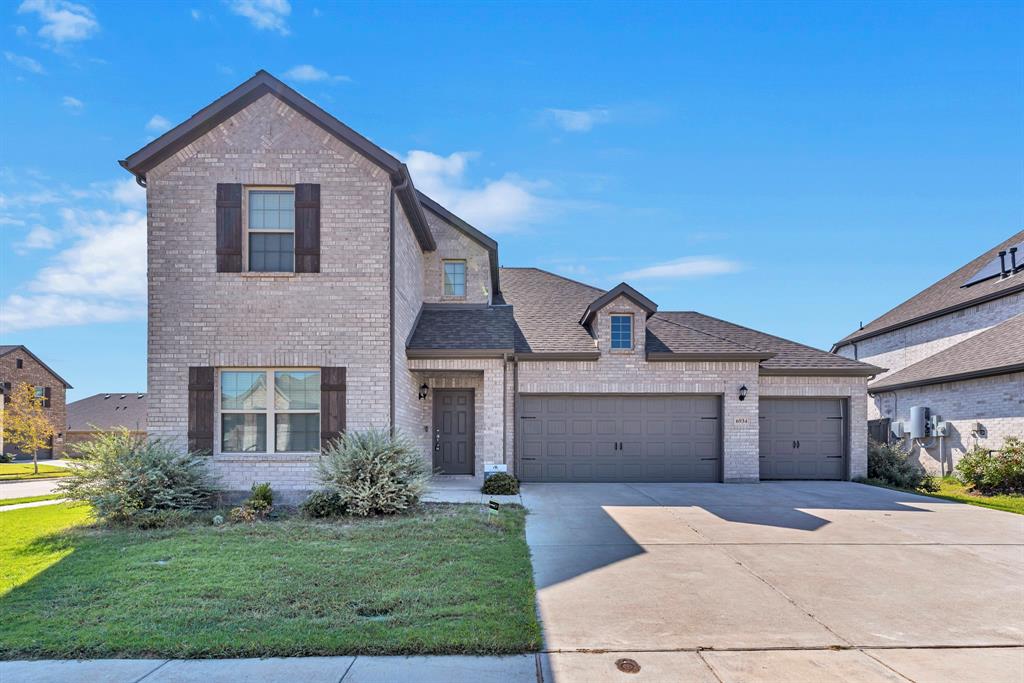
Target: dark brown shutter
{"type": "Point", "coordinates": [200, 409]}
{"type": "Point", "coordinates": [46, 397]}
{"type": "Point", "coordinates": [332, 404]}
{"type": "Point", "coordinates": [229, 228]}
{"type": "Point", "coordinates": [307, 228]}
{"type": "Point", "coordinates": [7, 392]}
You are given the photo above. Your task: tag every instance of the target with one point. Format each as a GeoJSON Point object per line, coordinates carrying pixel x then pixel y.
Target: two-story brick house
{"type": "Point", "coordinates": [956, 348]}
{"type": "Point", "coordinates": [300, 286]}
{"type": "Point", "coordinates": [18, 365]}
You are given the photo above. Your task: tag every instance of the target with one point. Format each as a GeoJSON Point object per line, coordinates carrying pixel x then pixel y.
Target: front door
{"type": "Point", "coordinates": [453, 431]}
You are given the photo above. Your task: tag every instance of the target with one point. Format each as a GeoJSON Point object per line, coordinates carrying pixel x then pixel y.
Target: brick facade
{"type": "Point", "coordinates": [33, 373]}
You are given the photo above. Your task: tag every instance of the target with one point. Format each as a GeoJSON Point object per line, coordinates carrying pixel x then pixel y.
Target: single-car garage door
{"type": "Point", "coordinates": [802, 438]}
{"type": "Point", "coordinates": [583, 437]}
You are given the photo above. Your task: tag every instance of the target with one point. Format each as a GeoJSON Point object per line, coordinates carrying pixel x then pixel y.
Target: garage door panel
{"type": "Point", "coordinates": [620, 438]}
{"type": "Point", "coordinates": [801, 439]}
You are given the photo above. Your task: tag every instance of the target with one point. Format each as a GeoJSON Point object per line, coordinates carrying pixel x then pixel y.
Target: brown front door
{"type": "Point", "coordinates": [453, 431]}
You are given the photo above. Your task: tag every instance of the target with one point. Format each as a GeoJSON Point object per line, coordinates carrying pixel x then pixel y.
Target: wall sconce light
{"type": "Point", "coordinates": [743, 392]}
{"type": "Point", "coordinates": [423, 391]}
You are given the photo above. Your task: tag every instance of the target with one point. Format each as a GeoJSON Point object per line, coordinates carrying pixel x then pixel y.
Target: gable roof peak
{"type": "Point", "coordinates": [621, 289]}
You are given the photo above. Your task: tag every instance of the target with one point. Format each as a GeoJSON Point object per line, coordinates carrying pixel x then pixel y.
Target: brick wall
{"type": "Point", "coordinates": [454, 244]}
{"type": "Point", "coordinates": [338, 317]}
{"type": "Point", "coordinates": [36, 375]}
{"type": "Point", "coordinates": [409, 267]}
{"type": "Point", "coordinates": [996, 402]}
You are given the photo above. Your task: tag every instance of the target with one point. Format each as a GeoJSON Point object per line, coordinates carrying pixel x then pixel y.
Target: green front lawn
{"type": "Point", "coordinates": [440, 580]}
{"type": "Point", "coordinates": [29, 499]}
{"type": "Point", "coordinates": [951, 489]}
{"type": "Point", "coordinates": [25, 470]}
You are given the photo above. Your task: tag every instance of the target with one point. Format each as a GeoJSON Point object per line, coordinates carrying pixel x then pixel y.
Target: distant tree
{"type": "Point", "coordinates": [26, 424]}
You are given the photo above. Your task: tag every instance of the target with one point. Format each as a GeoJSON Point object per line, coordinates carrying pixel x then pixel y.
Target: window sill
{"type": "Point", "coordinates": [269, 276]}
{"type": "Point", "coordinates": [264, 457]}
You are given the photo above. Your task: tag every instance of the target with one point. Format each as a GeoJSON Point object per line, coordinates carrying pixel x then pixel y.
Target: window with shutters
{"type": "Point", "coordinates": [270, 222]}
{"type": "Point", "coordinates": [269, 411]}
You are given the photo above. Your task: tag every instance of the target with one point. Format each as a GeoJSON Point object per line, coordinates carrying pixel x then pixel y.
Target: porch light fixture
{"type": "Point", "coordinates": [743, 392]}
{"type": "Point", "coordinates": [423, 391]}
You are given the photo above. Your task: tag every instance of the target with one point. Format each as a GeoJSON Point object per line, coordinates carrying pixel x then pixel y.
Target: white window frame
{"type": "Point", "coordinates": [465, 278]}
{"type": "Point", "coordinates": [246, 192]}
{"type": "Point", "coordinates": [271, 411]}
{"type": "Point", "coordinates": [611, 334]}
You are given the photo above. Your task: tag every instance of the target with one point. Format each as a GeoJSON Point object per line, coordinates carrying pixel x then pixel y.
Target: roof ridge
{"type": "Point", "coordinates": [561, 277]}
{"type": "Point", "coordinates": [706, 333]}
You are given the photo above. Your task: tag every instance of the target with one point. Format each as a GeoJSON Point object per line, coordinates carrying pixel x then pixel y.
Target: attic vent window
{"type": "Point", "coordinates": [1006, 263]}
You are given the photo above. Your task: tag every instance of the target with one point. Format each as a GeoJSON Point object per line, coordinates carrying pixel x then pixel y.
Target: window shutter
{"type": "Point", "coordinates": [332, 404]}
{"type": "Point", "coordinates": [7, 392]}
{"type": "Point", "coordinates": [229, 228]}
{"type": "Point", "coordinates": [307, 228]}
{"type": "Point", "coordinates": [46, 397]}
{"type": "Point", "coordinates": [200, 409]}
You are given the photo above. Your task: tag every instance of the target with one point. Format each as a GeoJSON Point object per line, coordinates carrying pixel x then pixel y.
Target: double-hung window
{"type": "Point", "coordinates": [622, 331]}
{"type": "Point", "coordinates": [271, 231]}
{"type": "Point", "coordinates": [270, 411]}
{"type": "Point", "coordinates": [454, 278]}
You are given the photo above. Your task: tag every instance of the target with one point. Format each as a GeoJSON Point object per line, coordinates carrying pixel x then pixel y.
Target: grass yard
{"type": "Point", "coordinates": [28, 499]}
{"type": "Point", "coordinates": [24, 470]}
{"type": "Point", "coordinates": [441, 580]}
{"type": "Point", "coordinates": [950, 488]}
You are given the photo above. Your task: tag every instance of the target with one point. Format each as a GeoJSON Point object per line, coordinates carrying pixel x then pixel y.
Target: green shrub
{"type": "Point", "coordinates": [501, 484]}
{"type": "Point", "coordinates": [891, 464]}
{"type": "Point", "coordinates": [137, 481]}
{"type": "Point", "coordinates": [374, 472]}
{"type": "Point", "coordinates": [322, 504]}
{"type": "Point", "coordinates": [998, 472]}
{"type": "Point", "coordinates": [261, 498]}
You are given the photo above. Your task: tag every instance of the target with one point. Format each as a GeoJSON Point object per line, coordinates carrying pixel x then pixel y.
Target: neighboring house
{"type": "Point", "coordinates": [101, 413]}
{"type": "Point", "coordinates": [300, 286]}
{"type": "Point", "coordinates": [18, 365]}
{"type": "Point", "coordinates": [956, 348]}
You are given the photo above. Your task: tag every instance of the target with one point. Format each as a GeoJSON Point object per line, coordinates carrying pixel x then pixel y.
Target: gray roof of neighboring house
{"type": "Point", "coordinates": [8, 348]}
{"type": "Point", "coordinates": [108, 411]}
{"type": "Point", "coordinates": [544, 321]}
{"type": "Point", "coordinates": [996, 351]}
{"type": "Point", "coordinates": [946, 295]}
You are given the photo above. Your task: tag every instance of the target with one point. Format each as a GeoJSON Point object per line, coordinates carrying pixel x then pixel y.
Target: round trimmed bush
{"type": "Point", "coordinates": [322, 504]}
{"type": "Point", "coordinates": [501, 484]}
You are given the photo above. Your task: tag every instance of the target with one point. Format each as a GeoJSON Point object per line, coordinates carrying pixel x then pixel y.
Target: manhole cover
{"type": "Point", "coordinates": [627, 666]}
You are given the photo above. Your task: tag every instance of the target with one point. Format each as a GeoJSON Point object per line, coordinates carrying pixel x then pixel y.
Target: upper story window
{"type": "Point", "coordinates": [19, 363]}
{"type": "Point", "coordinates": [455, 278]}
{"type": "Point", "coordinates": [622, 331]}
{"type": "Point", "coordinates": [262, 408]}
{"type": "Point", "coordinates": [271, 231]}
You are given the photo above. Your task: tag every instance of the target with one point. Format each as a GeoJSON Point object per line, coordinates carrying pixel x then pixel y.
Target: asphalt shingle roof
{"type": "Point", "coordinates": [995, 351]}
{"type": "Point", "coordinates": [946, 294]}
{"type": "Point", "coordinates": [461, 328]}
{"type": "Point", "coordinates": [547, 310]}
{"type": "Point", "coordinates": [108, 411]}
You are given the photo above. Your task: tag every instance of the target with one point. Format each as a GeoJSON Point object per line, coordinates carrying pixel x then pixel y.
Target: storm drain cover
{"type": "Point", "coordinates": [627, 666]}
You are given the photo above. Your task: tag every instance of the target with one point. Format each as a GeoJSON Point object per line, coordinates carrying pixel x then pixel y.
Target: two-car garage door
{"type": "Point", "coordinates": [619, 438]}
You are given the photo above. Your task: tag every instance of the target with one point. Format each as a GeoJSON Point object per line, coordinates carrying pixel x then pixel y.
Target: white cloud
{"type": "Point", "coordinates": [129, 193]}
{"type": "Point", "coordinates": [35, 312]}
{"type": "Point", "coordinates": [8, 220]}
{"type": "Point", "coordinates": [268, 15]}
{"type": "Point", "coordinates": [225, 70]}
{"type": "Point", "coordinates": [72, 104]}
{"type": "Point", "coordinates": [23, 62]}
{"type": "Point", "coordinates": [310, 74]}
{"type": "Point", "coordinates": [578, 121]}
{"type": "Point", "coordinates": [39, 237]}
{"type": "Point", "coordinates": [63, 22]}
{"type": "Point", "coordinates": [495, 206]}
{"type": "Point", "coordinates": [197, 15]}
{"type": "Point", "coordinates": [158, 124]}
{"type": "Point", "coordinates": [688, 267]}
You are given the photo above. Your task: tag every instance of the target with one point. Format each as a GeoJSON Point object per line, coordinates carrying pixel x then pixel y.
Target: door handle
{"type": "Point", "coordinates": [437, 439]}
{"type": "Point", "coordinates": [798, 444]}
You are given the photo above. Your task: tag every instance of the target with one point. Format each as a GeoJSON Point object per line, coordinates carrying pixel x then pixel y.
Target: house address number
{"type": "Point", "coordinates": [742, 420]}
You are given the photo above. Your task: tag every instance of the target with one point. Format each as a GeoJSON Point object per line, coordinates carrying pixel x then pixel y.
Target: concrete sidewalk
{"type": "Point", "coordinates": [869, 665]}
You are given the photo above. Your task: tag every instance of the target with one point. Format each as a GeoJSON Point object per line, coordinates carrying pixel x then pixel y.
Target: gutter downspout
{"type": "Point", "coordinates": [391, 299]}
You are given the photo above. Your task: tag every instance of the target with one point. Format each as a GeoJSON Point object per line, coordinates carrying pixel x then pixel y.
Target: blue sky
{"type": "Point", "coordinates": [792, 167]}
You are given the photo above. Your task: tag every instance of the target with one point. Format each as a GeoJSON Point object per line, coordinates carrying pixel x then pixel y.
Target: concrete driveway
{"type": "Point", "coordinates": [793, 580]}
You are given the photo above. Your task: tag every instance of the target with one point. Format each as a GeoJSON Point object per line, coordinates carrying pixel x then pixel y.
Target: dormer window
{"type": "Point", "coordinates": [622, 331]}
{"type": "Point", "coordinates": [455, 278]}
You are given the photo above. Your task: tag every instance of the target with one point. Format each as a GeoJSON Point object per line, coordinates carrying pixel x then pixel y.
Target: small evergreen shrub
{"type": "Point", "coordinates": [998, 472]}
{"type": "Point", "coordinates": [323, 504]}
{"type": "Point", "coordinates": [891, 464]}
{"type": "Point", "coordinates": [501, 484]}
{"type": "Point", "coordinates": [374, 472]}
{"type": "Point", "coordinates": [257, 506]}
{"type": "Point", "coordinates": [137, 481]}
